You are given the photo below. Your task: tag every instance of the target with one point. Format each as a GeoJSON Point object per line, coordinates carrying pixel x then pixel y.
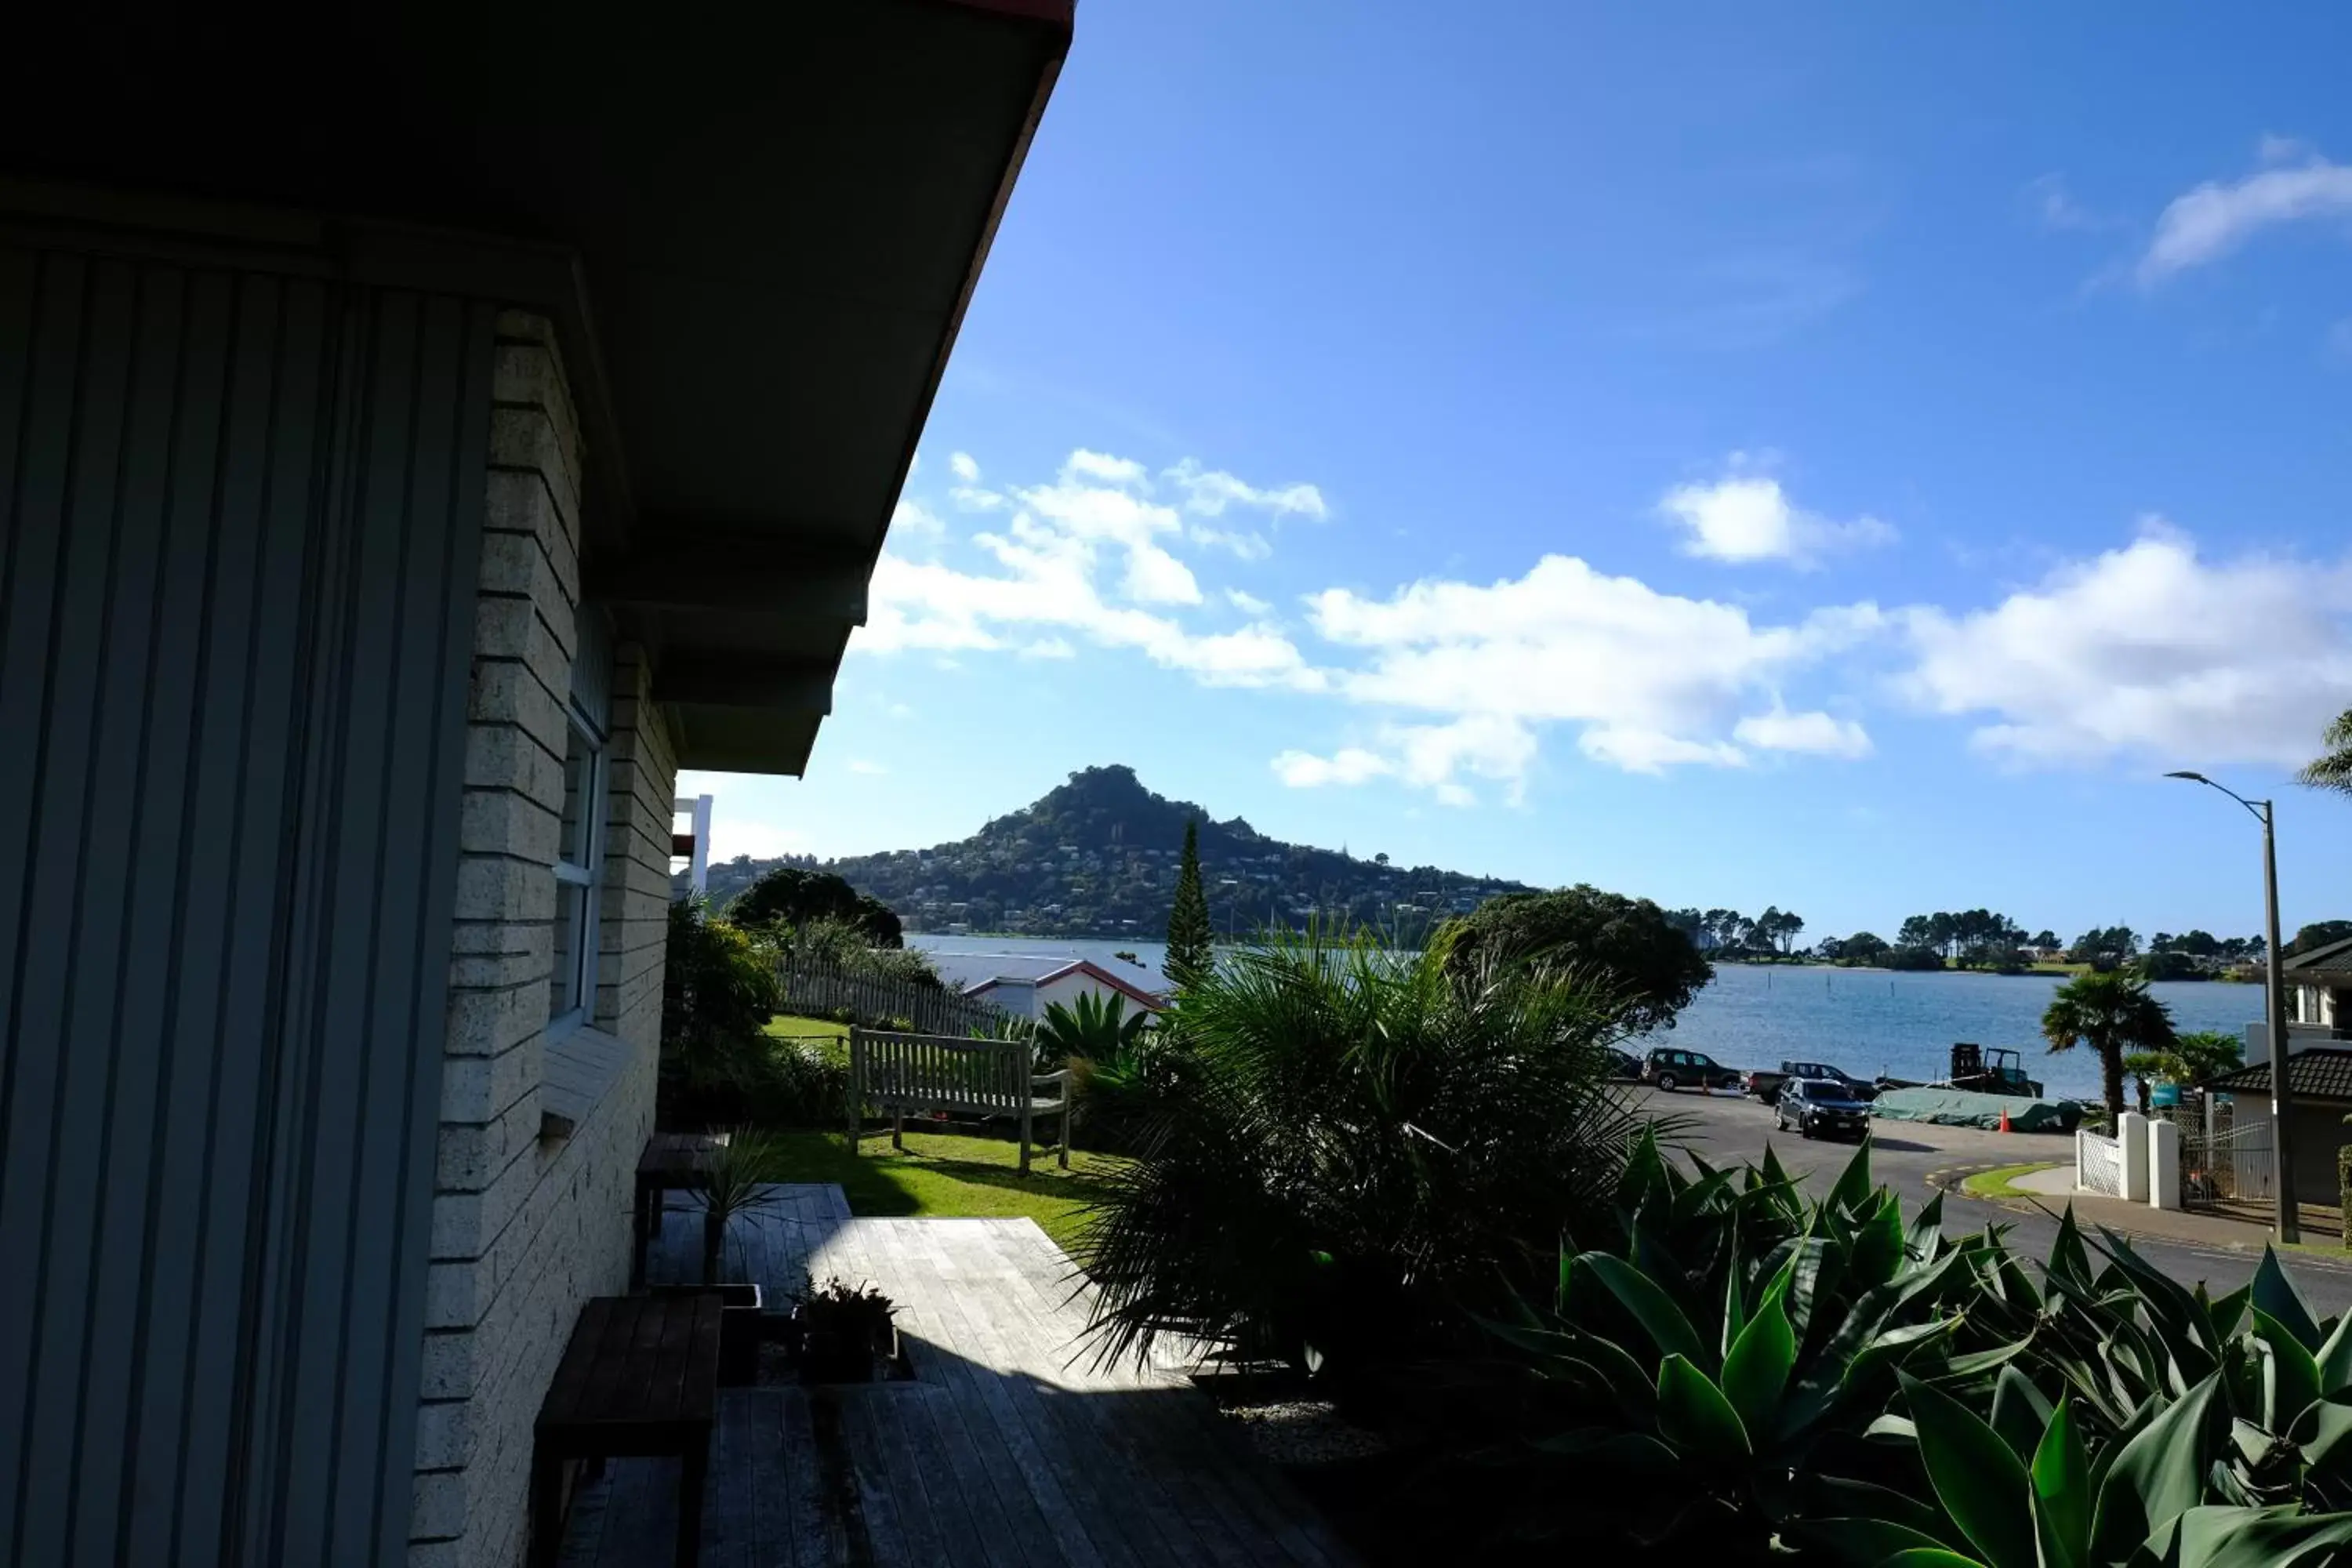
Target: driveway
{"type": "Point", "coordinates": [1728, 1129]}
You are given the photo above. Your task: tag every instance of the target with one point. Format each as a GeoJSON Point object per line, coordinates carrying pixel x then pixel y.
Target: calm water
{"type": "Point", "coordinates": [1865, 1021]}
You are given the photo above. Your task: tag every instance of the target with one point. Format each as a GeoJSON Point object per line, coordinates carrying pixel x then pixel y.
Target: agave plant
{"type": "Point", "coordinates": [1746, 1337]}
{"type": "Point", "coordinates": [1095, 1028]}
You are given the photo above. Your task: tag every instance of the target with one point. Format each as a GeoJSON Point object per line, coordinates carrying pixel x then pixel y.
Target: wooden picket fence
{"type": "Point", "coordinates": [819, 990]}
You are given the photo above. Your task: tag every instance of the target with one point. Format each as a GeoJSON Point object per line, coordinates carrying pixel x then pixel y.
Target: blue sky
{"type": "Point", "coordinates": [1826, 456]}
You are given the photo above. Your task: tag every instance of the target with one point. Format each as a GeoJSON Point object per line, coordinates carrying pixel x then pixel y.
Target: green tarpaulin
{"type": "Point", "coordinates": [1958, 1108]}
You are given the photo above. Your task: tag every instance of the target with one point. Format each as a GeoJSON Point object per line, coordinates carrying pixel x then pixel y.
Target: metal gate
{"type": "Point", "coordinates": [2230, 1163]}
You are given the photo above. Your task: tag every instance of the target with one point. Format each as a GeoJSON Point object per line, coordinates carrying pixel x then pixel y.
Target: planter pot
{"type": "Point", "coordinates": [831, 1357]}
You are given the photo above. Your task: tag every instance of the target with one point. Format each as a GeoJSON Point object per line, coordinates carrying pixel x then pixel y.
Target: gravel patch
{"type": "Point", "coordinates": [1303, 1432]}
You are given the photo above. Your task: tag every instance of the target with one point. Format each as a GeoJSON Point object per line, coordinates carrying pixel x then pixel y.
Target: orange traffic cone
{"type": "Point", "coordinates": [2004, 1120]}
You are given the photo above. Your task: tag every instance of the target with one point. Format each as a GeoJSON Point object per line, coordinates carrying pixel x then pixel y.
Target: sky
{"type": "Point", "coordinates": [1823, 456]}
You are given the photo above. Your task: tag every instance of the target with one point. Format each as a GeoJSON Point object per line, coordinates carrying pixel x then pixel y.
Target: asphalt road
{"type": "Point", "coordinates": [1727, 1128]}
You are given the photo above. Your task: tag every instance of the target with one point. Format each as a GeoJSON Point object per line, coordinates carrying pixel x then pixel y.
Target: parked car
{"type": "Point", "coordinates": [1624, 1065]}
{"type": "Point", "coordinates": [1766, 1086]}
{"type": "Point", "coordinates": [1819, 1108]}
{"type": "Point", "coordinates": [1671, 1067]}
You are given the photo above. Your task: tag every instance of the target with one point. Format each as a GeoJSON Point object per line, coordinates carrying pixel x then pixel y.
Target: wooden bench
{"type": "Point", "coordinates": [672, 1161]}
{"type": "Point", "coordinates": [639, 1378]}
{"type": "Point", "coordinates": [899, 1073]}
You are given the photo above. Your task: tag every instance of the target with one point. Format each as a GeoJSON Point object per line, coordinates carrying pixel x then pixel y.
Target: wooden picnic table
{"type": "Point", "coordinates": [639, 1378]}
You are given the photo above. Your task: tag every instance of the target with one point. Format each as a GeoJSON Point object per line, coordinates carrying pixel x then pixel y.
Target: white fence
{"type": "Point", "coordinates": [2098, 1165]}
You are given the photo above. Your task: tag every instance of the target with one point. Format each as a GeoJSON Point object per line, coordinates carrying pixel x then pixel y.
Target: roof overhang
{"type": "Point", "coordinates": [757, 228]}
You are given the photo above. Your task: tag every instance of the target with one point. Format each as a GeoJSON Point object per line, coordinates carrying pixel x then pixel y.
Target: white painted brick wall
{"type": "Point", "coordinates": [524, 1230]}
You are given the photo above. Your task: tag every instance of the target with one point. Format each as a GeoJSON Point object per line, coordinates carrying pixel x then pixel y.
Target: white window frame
{"type": "Point", "coordinates": [581, 883]}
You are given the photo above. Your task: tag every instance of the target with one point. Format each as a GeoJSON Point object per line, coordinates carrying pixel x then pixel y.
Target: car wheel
{"type": "Point", "coordinates": [1666, 1082]}
{"type": "Point", "coordinates": [1804, 1127]}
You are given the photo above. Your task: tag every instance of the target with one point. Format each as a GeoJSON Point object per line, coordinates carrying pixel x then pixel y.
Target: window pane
{"type": "Point", "coordinates": [579, 798]}
{"type": "Point", "coordinates": [561, 995]}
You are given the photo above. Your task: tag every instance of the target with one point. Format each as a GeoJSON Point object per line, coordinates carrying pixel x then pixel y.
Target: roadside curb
{"type": "Point", "coordinates": [1950, 1179]}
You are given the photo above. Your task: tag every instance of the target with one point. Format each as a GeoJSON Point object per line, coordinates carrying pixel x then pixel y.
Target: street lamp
{"type": "Point", "coordinates": [2282, 1162]}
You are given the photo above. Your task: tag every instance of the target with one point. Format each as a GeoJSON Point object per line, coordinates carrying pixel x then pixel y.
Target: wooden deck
{"type": "Point", "coordinates": [1009, 1449]}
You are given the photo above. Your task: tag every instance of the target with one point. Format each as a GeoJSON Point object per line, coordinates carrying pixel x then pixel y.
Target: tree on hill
{"type": "Point", "coordinates": [2314, 937]}
{"type": "Point", "coordinates": [2115, 1015]}
{"type": "Point", "coordinates": [787, 895]}
{"type": "Point", "coordinates": [1190, 937]}
{"type": "Point", "coordinates": [1619, 945]}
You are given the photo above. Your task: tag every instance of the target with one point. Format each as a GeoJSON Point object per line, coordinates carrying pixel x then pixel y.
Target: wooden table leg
{"type": "Point", "coordinates": [693, 1469]}
{"type": "Point", "coordinates": [546, 1506]}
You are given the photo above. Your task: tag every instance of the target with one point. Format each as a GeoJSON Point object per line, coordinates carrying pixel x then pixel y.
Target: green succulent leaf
{"type": "Point", "coordinates": [2273, 1291]}
{"type": "Point", "coordinates": [2061, 1493]}
{"type": "Point", "coordinates": [1649, 1303]}
{"type": "Point", "coordinates": [2294, 1380]}
{"type": "Point", "coordinates": [1931, 1557]}
{"type": "Point", "coordinates": [1926, 1238]}
{"type": "Point", "coordinates": [1853, 1188]}
{"type": "Point", "coordinates": [2020, 1414]}
{"type": "Point", "coordinates": [2210, 1537]}
{"type": "Point", "coordinates": [1758, 1367]}
{"type": "Point", "coordinates": [1863, 1543]}
{"type": "Point", "coordinates": [2335, 1356]}
{"type": "Point", "coordinates": [2227, 1310]}
{"type": "Point", "coordinates": [2068, 1255]}
{"type": "Point", "coordinates": [2325, 1434]}
{"type": "Point", "coordinates": [1978, 1477]}
{"type": "Point", "coordinates": [1695, 1416]}
{"type": "Point", "coordinates": [2157, 1476]}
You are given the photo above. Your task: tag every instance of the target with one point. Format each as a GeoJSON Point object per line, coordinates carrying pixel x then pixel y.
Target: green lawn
{"type": "Point", "coordinates": [2001, 1183]}
{"type": "Point", "coordinates": [943, 1175]}
{"type": "Point", "coordinates": [786, 1027]}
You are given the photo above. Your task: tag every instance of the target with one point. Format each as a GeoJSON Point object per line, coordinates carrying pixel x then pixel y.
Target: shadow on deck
{"type": "Point", "coordinates": [1009, 1449]}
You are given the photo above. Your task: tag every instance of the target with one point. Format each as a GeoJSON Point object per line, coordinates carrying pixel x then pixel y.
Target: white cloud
{"type": "Point", "coordinates": [971, 498]}
{"type": "Point", "coordinates": [867, 766]}
{"type": "Point", "coordinates": [2148, 652]}
{"type": "Point", "coordinates": [1102, 468]}
{"type": "Point", "coordinates": [1049, 648]}
{"type": "Point", "coordinates": [1156, 577]}
{"type": "Point", "coordinates": [1248, 603]}
{"type": "Point", "coordinates": [1066, 547]}
{"type": "Point", "coordinates": [2208, 222]}
{"type": "Point", "coordinates": [1816, 733]}
{"type": "Point", "coordinates": [964, 467]}
{"type": "Point", "coordinates": [1749, 517]}
{"type": "Point", "coordinates": [1651, 680]}
{"type": "Point", "coordinates": [912, 517]}
{"type": "Point", "coordinates": [1247, 545]}
{"type": "Point", "coordinates": [1208, 492]}
{"type": "Point", "coordinates": [1348, 766]}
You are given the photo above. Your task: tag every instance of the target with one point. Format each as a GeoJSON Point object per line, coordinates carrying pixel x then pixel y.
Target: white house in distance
{"type": "Point", "coordinates": [1028, 983]}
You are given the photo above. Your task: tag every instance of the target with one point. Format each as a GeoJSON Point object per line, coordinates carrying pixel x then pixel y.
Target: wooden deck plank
{"type": "Point", "coordinates": [818, 1538]}
{"type": "Point", "coordinates": [772, 1524]}
{"type": "Point", "coordinates": [1055, 1478]}
{"type": "Point", "coordinates": [1013, 1449]}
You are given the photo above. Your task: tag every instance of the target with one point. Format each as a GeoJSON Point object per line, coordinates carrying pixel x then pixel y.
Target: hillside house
{"type": "Point", "coordinates": [1028, 983]}
{"type": "Point", "coordinates": [423, 431]}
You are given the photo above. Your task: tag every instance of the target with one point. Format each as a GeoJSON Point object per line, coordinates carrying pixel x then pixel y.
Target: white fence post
{"type": "Point", "coordinates": [2131, 1132]}
{"type": "Point", "coordinates": [2163, 1166]}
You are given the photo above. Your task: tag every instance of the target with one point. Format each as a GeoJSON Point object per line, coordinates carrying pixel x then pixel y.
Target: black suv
{"type": "Point", "coordinates": [1669, 1067]}
{"type": "Point", "coordinates": [1821, 1108]}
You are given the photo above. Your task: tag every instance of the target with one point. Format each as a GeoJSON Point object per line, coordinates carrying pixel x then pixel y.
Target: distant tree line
{"type": "Point", "coordinates": [1731, 935]}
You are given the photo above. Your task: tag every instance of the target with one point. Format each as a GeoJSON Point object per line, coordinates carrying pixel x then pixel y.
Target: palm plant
{"type": "Point", "coordinates": [2332, 769]}
{"type": "Point", "coordinates": [2116, 1016]}
{"type": "Point", "coordinates": [738, 1181]}
{"type": "Point", "coordinates": [1095, 1028]}
{"type": "Point", "coordinates": [1351, 1143]}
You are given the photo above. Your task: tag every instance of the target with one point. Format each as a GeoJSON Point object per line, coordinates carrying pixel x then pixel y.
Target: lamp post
{"type": "Point", "coordinates": [2282, 1162]}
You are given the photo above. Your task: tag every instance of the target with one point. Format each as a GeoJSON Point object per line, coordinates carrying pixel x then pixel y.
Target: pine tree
{"type": "Point", "coordinates": [1189, 931]}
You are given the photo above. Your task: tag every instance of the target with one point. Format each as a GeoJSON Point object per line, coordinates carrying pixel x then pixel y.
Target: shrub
{"type": "Point", "coordinates": [1353, 1147]}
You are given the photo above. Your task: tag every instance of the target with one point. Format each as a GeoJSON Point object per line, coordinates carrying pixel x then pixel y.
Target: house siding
{"type": "Point", "coordinates": [526, 1226]}
{"type": "Point", "coordinates": [242, 527]}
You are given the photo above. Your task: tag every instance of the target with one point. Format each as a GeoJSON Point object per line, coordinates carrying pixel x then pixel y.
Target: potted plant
{"type": "Point", "coordinates": [844, 1332]}
{"type": "Point", "coordinates": [737, 1182]}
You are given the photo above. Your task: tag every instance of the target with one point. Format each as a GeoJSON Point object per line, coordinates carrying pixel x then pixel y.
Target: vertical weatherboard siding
{"type": "Point", "coordinates": [240, 522]}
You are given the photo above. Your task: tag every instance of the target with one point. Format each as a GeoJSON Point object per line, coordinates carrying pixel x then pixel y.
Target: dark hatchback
{"type": "Point", "coordinates": [1821, 1108]}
